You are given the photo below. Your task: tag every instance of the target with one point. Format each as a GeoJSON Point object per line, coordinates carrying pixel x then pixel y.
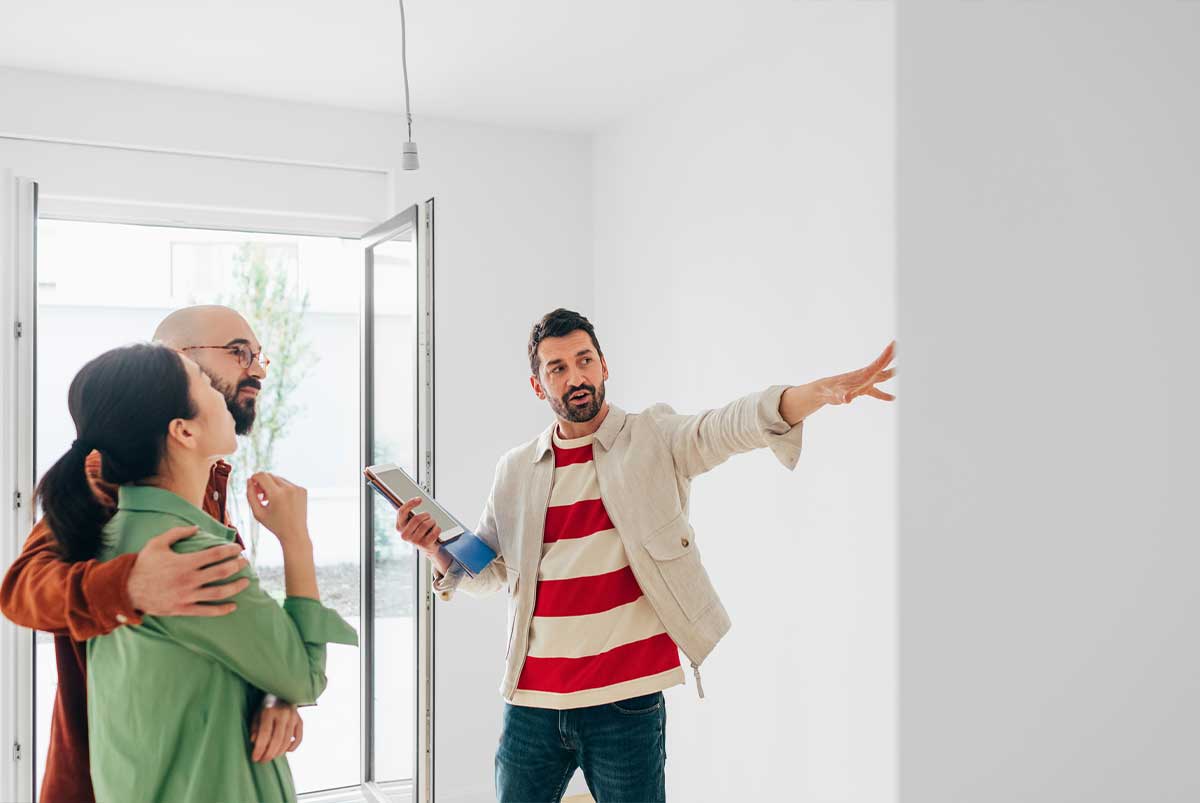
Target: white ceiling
{"type": "Point", "coordinates": [561, 64]}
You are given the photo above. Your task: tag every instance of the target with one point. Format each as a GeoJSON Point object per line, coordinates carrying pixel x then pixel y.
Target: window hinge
{"type": "Point", "coordinates": [16, 751]}
{"type": "Point", "coordinates": [16, 500]}
{"type": "Point", "coordinates": [18, 330]}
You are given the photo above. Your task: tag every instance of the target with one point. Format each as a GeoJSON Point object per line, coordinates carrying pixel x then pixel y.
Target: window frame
{"type": "Point", "coordinates": [19, 206]}
{"type": "Point", "coordinates": [416, 220]}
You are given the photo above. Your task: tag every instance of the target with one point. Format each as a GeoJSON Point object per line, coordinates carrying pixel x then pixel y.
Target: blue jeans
{"type": "Point", "coordinates": [621, 748]}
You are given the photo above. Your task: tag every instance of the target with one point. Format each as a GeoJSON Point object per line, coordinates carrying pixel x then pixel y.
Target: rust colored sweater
{"type": "Point", "coordinates": [76, 601]}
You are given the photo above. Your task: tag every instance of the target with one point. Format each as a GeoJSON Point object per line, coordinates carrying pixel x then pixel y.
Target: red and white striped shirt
{"type": "Point", "coordinates": [594, 638]}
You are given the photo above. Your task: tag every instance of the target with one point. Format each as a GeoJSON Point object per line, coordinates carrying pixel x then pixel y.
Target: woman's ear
{"type": "Point", "coordinates": [180, 431]}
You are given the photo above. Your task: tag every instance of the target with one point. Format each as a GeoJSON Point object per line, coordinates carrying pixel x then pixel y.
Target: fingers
{"type": "Point", "coordinates": [879, 394]}
{"type": "Point", "coordinates": [254, 723]}
{"type": "Point", "coordinates": [887, 354]}
{"type": "Point", "coordinates": [404, 512]}
{"type": "Point", "coordinates": [266, 484]}
{"type": "Point", "coordinates": [213, 555]}
{"type": "Point", "coordinates": [415, 524]}
{"type": "Point", "coordinates": [164, 540]}
{"type": "Point", "coordinates": [417, 530]}
{"type": "Point", "coordinates": [266, 733]}
{"type": "Point", "coordinates": [431, 540]}
{"type": "Point", "coordinates": [281, 734]}
{"type": "Point", "coordinates": [883, 359]}
{"type": "Point", "coordinates": [255, 495]}
{"type": "Point", "coordinates": [297, 732]}
{"type": "Point", "coordinates": [220, 571]}
{"type": "Point", "coordinates": [884, 376]}
{"type": "Point", "coordinates": [424, 532]}
{"type": "Point", "coordinates": [221, 592]}
{"type": "Point", "coordinates": [282, 482]}
{"type": "Point", "coordinates": [207, 610]}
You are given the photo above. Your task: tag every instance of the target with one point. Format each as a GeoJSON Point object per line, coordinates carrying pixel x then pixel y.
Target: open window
{"type": "Point", "coordinates": [348, 325]}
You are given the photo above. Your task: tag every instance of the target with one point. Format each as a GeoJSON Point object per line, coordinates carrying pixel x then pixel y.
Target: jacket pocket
{"type": "Point", "coordinates": [675, 554]}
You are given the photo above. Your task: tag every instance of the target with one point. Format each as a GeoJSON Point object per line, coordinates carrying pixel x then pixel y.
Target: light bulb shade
{"type": "Point", "coordinates": [409, 161]}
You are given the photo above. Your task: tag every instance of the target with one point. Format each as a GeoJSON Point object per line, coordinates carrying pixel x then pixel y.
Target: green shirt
{"type": "Point", "coordinates": [170, 700]}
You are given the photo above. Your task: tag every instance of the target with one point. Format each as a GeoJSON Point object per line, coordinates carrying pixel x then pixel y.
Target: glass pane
{"type": "Point", "coordinates": [103, 285]}
{"type": "Point", "coordinates": [394, 294]}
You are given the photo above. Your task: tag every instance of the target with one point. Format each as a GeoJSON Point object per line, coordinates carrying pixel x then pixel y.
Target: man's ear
{"type": "Point", "coordinates": [604, 365]}
{"type": "Point", "coordinates": [181, 432]}
{"type": "Point", "coordinates": [537, 388]}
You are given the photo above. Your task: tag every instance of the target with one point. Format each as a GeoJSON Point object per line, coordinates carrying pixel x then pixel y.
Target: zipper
{"type": "Point", "coordinates": [695, 666]}
{"type": "Point", "coordinates": [512, 631]}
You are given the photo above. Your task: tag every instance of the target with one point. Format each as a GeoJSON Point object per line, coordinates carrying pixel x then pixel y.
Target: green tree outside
{"type": "Point", "coordinates": [262, 293]}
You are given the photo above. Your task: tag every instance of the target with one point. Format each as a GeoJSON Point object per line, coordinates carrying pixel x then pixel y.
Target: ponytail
{"type": "Point", "coordinates": [73, 512]}
{"type": "Point", "coordinates": [122, 403]}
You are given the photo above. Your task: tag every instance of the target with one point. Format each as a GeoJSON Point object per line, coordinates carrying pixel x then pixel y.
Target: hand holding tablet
{"type": "Point", "coordinates": [420, 530]}
{"type": "Point", "coordinates": [466, 549]}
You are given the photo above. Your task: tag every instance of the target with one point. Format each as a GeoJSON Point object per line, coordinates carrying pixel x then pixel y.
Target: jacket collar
{"type": "Point", "coordinates": [614, 422]}
{"type": "Point", "coordinates": [221, 470]}
{"type": "Point", "coordinates": [218, 481]}
{"type": "Point", "coordinates": [157, 500]}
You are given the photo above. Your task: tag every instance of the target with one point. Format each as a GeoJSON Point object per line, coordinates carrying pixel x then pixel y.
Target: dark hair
{"type": "Point", "coordinates": [559, 323]}
{"type": "Point", "coordinates": [122, 403]}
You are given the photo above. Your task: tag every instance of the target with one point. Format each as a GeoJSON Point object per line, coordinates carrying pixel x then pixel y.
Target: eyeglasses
{"type": "Point", "coordinates": [245, 356]}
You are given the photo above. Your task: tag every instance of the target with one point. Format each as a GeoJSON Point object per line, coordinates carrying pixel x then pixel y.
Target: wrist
{"type": "Point", "coordinates": [440, 559]}
{"type": "Point", "coordinates": [297, 536]}
{"type": "Point", "coordinates": [800, 401]}
{"type": "Point", "coordinates": [298, 545]}
{"type": "Point", "coordinates": [119, 575]}
{"type": "Point", "coordinates": [129, 593]}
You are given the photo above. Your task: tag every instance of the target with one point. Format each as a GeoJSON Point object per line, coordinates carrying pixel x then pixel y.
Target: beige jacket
{"type": "Point", "coordinates": [644, 463]}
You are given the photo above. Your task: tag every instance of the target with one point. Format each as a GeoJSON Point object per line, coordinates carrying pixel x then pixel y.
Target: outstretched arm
{"type": "Point", "coordinates": [773, 418]}
{"type": "Point", "coordinates": [801, 401]}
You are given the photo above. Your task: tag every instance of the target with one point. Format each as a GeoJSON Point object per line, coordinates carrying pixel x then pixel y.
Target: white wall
{"type": "Point", "coordinates": [513, 240]}
{"type": "Point", "coordinates": [1049, 264]}
{"type": "Point", "coordinates": [744, 238]}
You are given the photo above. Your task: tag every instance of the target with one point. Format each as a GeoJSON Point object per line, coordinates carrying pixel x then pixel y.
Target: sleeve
{"type": "Point", "coordinates": [700, 443]}
{"type": "Point", "coordinates": [280, 650]}
{"type": "Point", "coordinates": [491, 579]}
{"type": "Point", "coordinates": [81, 600]}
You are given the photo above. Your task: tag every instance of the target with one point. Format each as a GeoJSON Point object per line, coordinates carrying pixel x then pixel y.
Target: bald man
{"type": "Point", "coordinates": [77, 601]}
{"type": "Point", "coordinates": [221, 342]}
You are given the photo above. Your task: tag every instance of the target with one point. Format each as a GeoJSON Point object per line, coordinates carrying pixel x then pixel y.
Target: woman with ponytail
{"type": "Point", "coordinates": [119, 416]}
{"type": "Point", "coordinates": [169, 699]}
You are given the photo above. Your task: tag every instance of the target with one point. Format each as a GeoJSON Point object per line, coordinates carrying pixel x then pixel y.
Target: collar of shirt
{"type": "Point", "coordinates": [157, 500]}
{"type": "Point", "coordinates": [218, 482]}
{"type": "Point", "coordinates": [220, 473]}
{"type": "Point", "coordinates": [605, 436]}
{"type": "Point", "coordinates": [217, 492]}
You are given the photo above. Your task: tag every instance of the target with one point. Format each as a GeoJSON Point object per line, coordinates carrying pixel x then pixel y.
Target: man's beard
{"type": "Point", "coordinates": [572, 412]}
{"type": "Point", "coordinates": [243, 412]}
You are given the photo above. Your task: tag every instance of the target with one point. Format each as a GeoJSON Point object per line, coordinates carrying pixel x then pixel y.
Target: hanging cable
{"type": "Point", "coordinates": [409, 159]}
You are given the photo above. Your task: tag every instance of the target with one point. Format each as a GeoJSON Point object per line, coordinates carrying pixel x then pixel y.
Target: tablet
{"type": "Point", "coordinates": [469, 552]}
{"type": "Point", "coordinates": [396, 486]}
